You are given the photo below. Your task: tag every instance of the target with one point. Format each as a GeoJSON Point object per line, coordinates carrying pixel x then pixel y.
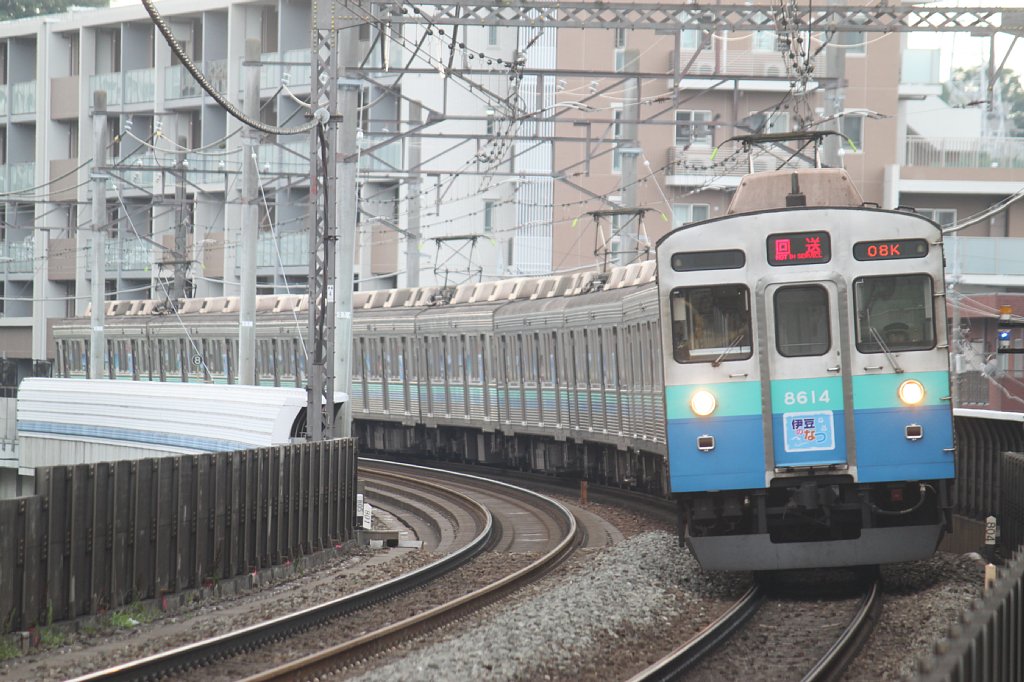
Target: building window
{"type": "Point", "coordinates": [692, 39]}
{"type": "Point", "coordinates": [492, 35]}
{"type": "Point", "coordinates": [689, 213]}
{"type": "Point", "coordinates": [488, 216]}
{"type": "Point", "coordinates": [853, 128]}
{"type": "Point", "coordinates": [770, 122]}
{"type": "Point", "coordinates": [945, 217]}
{"type": "Point", "coordinates": [766, 41]}
{"type": "Point", "coordinates": [692, 128]}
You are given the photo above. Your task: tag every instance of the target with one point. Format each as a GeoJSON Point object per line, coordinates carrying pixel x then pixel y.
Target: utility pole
{"type": "Point", "coordinates": [98, 342]}
{"type": "Point", "coordinates": [348, 210]}
{"type": "Point", "coordinates": [181, 225]}
{"type": "Point", "coordinates": [250, 218]}
{"type": "Point", "coordinates": [630, 153]}
{"type": "Point", "coordinates": [412, 240]}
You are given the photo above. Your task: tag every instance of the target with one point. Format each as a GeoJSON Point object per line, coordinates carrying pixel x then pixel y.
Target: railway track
{"type": "Point", "coordinates": [498, 530]}
{"type": "Point", "coordinates": [784, 615]}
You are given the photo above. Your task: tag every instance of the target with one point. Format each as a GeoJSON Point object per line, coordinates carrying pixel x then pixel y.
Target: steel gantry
{"type": "Point", "coordinates": [339, 70]}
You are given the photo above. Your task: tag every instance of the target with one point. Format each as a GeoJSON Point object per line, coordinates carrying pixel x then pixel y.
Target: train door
{"type": "Point", "coordinates": [806, 368]}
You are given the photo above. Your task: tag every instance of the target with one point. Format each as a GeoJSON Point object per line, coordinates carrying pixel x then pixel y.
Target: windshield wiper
{"type": "Point", "coordinates": [885, 349]}
{"type": "Point", "coordinates": [732, 344]}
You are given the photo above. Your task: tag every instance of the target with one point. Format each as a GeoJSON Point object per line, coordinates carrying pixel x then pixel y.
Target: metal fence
{"type": "Point", "coordinates": [979, 445]}
{"type": "Point", "coordinates": [1011, 511]}
{"type": "Point", "coordinates": [988, 642]}
{"type": "Point", "coordinates": [98, 536]}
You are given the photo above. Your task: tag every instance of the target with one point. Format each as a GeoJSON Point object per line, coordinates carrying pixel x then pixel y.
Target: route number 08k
{"type": "Point", "coordinates": [806, 397]}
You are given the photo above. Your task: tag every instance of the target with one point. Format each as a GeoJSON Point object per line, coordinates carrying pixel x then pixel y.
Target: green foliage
{"type": "Point", "coordinates": [51, 637]}
{"type": "Point", "coordinates": [7, 649]}
{"type": "Point", "coordinates": [130, 616]}
{"type": "Point", "coordinates": [14, 9]}
{"type": "Point", "coordinates": [964, 88]}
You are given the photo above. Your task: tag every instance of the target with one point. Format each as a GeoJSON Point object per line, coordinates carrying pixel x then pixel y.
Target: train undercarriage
{"type": "Point", "coordinates": [629, 468]}
{"type": "Point", "coordinates": [815, 522]}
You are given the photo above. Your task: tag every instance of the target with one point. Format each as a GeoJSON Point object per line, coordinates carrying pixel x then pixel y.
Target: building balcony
{"type": "Point", "coordinates": [18, 256]}
{"type": "Point", "coordinates": [690, 166]}
{"type": "Point", "coordinates": [978, 259]}
{"type": "Point", "coordinates": [125, 257]}
{"type": "Point", "coordinates": [386, 159]}
{"type": "Point", "coordinates": [15, 177]}
{"type": "Point", "coordinates": [3, 100]}
{"type": "Point", "coordinates": [295, 64]}
{"type": "Point", "coordinates": [179, 84]}
{"type": "Point", "coordinates": [63, 179]}
{"type": "Point", "coordinates": [741, 64]}
{"type": "Point", "coordinates": [23, 98]}
{"type": "Point", "coordinates": [290, 249]}
{"type": "Point", "coordinates": [965, 152]}
{"type": "Point", "coordinates": [111, 82]}
{"type": "Point", "coordinates": [64, 98]}
{"type": "Point", "coordinates": [139, 86]}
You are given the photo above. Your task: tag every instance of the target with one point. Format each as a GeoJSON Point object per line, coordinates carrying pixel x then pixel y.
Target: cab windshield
{"type": "Point", "coordinates": [711, 323]}
{"type": "Point", "coordinates": [894, 313]}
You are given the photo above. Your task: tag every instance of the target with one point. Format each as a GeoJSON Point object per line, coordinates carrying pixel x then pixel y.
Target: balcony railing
{"type": "Point", "coordinates": [19, 256]}
{"type": "Point", "coordinates": [293, 247]}
{"type": "Point", "coordinates": [965, 152]}
{"type": "Point", "coordinates": [988, 255]}
{"type": "Point", "coordinates": [125, 255]}
{"type": "Point", "coordinates": [179, 84]}
{"type": "Point", "coordinates": [742, 63]}
{"type": "Point", "coordinates": [730, 160]}
{"type": "Point", "coordinates": [23, 98]}
{"type": "Point", "coordinates": [3, 100]}
{"type": "Point", "coordinates": [20, 176]}
{"type": "Point", "coordinates": [920, 66]}
{"type": "Point", "coordinates": [295, 63]}
{"type": "Point", "coordinates": [111, 82]}
{"type": "Point", "coordinates": [386, 158]}
{"type": "Point", "coordinates": [139, 86]}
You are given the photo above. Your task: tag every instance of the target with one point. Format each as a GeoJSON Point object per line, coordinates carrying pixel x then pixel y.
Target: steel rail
{"type": "Point", "coordinates": [334, 659]}
{"type": "Point", "coordinates": [672, 666]}
{"type": "Point", "coordinates": [833, 664]}
{"type": "Point", "coordinates": [209, 650]}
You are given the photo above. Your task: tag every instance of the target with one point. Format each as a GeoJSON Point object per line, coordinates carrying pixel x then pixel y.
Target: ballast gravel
{"type": "Point", "coordinates": [588, 624]}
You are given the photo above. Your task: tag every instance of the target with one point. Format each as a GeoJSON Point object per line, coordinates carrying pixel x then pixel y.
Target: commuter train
{"type": "Point", "coordinates": [782, 372]}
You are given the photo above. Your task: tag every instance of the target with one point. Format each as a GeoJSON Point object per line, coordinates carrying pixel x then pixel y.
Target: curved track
{"type": "Point", "coordinates": [727, 628]}
{"type": "Point", "coordinates": [459, 524]}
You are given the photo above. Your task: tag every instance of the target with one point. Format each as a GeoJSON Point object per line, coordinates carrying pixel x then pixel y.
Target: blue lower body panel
{"type": "Point", "coordinates": [885, 454]}
{"type": "Point", "coordinates": [736, 462]}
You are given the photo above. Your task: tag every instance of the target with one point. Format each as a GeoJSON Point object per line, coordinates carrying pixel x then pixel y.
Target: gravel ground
{"type": "Point", "coordinates": [593, 623]}
{"type": "Point", "coordinates": [920, 601]}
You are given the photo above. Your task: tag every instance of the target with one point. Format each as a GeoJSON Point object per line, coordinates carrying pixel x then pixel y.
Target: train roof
{"type": "Point", "coordinates": [819, 187]}
{"type": "Point", "coordinates": [422, 298]}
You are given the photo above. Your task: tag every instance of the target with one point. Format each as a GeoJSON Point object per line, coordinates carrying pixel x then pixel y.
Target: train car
{"type": "Point", "coordinates": [806, 368]}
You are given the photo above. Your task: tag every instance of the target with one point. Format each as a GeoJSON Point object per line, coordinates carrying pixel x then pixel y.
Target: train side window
{"type": "Point", "coordinates": [894, 312]}
{"type": "Point", "coordinates": [711, 323]}
{"type": "Point", "coordinates": [802, 326]}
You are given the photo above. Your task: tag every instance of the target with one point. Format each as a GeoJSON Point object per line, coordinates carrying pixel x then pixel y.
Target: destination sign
{"type": "Point", "coordinates": [891, 249]}
{"type": "Point", "coordinates": [799, 248]}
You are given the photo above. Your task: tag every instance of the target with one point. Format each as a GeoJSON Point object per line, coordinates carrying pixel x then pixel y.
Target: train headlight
{"type": "Point", "coordinates": [911, 392]}
{"type": "Point", "coordinates": [703, 403]}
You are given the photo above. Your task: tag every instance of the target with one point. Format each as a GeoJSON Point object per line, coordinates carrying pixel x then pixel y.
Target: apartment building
{"type": "Point", "coordinates": [484, 211]}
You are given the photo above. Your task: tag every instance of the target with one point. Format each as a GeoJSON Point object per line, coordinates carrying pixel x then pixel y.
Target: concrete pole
{"type": "Point", "coordinates": [97, 340]}
{"type": "Point", "coordinates": [346, 191]}
{"type": "Point", "coordinates": [835, 96]}
{"type": "Point", "coordinates": [180, 225]}
{"type": "Point", "coordinates": [412, 240]}
{"type": "Point", "coordinates": [250, 219]}
{"type": "Point", "coordinates": [630, 154]}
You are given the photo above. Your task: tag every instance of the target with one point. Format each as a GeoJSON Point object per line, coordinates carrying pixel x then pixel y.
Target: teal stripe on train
{"type": "Point", "coordinates": [734, 399]}
{"type": "Point", "coordinates": [874, 392]}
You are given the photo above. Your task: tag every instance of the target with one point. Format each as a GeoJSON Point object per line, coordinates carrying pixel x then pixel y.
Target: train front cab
{"type": "Point", "coordinates": [808, 414]}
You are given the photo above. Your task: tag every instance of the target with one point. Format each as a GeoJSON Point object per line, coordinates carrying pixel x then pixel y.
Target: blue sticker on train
{"type": "Point", "coordinates": [808, 431]}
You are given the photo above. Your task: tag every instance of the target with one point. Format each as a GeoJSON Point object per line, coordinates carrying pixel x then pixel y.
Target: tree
{"type": "Point", "coordinates": [967, 86]}
{"type": "Point", "coordinates": [16, 9]}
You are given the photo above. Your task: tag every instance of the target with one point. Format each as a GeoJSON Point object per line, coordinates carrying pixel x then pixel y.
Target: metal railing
{"type": "Point", "coordinates": [19, 256]}
{"type": "Point", "coordinates": [965, 152]}
{"type": "Point", "coordinates": [23, 97]}
{"type": "Point", "coordinates": [126, 255]}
